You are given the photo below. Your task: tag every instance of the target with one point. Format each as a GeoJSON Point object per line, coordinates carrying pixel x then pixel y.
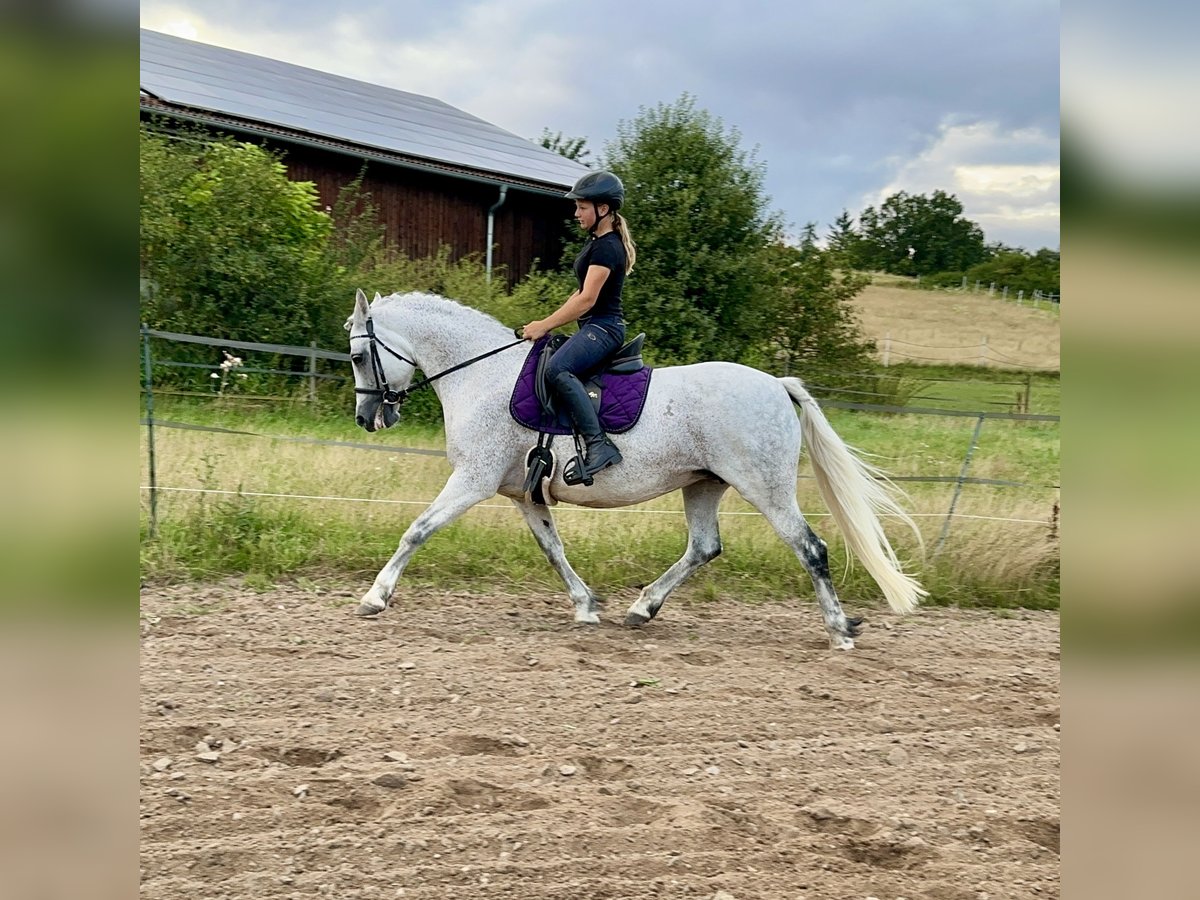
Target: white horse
{"type": "Point", "coordinates": [705, 427]}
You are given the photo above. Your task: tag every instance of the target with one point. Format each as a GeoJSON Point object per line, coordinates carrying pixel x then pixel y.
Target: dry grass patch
{"type": "Point", "coordinates": [940, 326]}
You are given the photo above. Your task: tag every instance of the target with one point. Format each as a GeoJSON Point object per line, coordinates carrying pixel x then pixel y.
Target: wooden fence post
{"type": "Point", "coordinates": [983, 360]}
{"type": "Point", "coordinates": [887, 348]}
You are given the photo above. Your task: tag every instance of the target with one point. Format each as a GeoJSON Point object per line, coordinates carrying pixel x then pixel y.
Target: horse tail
{"type": "Point", "coordinates": [857, 493]}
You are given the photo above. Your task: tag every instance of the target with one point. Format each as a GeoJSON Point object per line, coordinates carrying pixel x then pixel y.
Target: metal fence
{"type": "Point", "coordinates": [313, 353]}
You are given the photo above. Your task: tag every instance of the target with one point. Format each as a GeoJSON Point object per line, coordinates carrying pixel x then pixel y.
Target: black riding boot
{"type": "Point", "coordinates": [601, 452]}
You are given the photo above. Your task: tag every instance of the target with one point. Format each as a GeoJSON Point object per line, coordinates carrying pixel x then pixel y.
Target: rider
{"type": "Point", "coordinates": [600, 269]}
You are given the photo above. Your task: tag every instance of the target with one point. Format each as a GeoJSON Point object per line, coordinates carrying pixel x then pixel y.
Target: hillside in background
{"type": "Point", "coordinates": [926, 326]}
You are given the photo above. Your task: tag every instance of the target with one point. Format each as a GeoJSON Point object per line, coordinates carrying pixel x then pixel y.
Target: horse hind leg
{"type": "Point", "coordinates": [700, 504]}
{"type": "Point", "coordinates": [785, 517]}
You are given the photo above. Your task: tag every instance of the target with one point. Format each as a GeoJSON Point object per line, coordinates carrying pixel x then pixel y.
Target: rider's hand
{"type": "Point", "coordinates": [535, 331]}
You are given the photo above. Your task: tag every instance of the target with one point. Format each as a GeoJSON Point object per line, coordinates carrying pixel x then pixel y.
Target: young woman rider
{"type": "Point", "coordinates": [600, 269]}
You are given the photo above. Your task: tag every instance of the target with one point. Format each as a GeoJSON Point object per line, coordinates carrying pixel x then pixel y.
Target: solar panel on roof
{"type": "Point", "coordinates": [268, 91]}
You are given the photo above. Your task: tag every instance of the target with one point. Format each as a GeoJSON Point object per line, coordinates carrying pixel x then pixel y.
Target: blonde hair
{"type": "Point", "coordinates": [621, 227]}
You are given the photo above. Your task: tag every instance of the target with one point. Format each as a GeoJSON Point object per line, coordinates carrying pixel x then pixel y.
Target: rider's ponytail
{"type": "Point", "coordinates": [622, 229]}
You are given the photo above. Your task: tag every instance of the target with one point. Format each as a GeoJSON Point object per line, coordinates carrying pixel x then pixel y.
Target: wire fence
{"type": "Point", "coordinates": [980, 354]}
{"type": "Point", "coordinates": [153, 489]}
{"type": "Point", "coordinates": [1035, 298]}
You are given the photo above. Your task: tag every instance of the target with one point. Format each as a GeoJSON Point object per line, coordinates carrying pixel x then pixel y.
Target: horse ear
{"type": "Point", "coordinates": [360, 303]}
{"type": "Point", "coordinates": [377, 297]}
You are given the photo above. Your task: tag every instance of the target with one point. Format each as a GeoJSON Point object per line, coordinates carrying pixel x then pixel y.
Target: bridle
{"type": "Point", "coordinates": [392, 397]}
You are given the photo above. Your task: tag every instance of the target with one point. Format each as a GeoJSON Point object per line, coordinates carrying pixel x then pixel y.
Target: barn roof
{"type": "Point", "coordinates": [277, 99]}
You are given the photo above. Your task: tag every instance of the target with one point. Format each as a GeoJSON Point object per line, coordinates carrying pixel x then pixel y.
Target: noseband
{"type": "Point", "coordinates": [383, 391]}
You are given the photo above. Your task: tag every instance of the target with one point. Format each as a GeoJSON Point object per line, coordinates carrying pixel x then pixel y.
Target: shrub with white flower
{"type": "Point", "coordinates": [228, 367]}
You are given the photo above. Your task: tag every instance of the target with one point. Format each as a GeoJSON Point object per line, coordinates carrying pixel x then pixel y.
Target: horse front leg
{"type": "Point", "coordinates": [540, 522]}
{"type": "Point", "coordinates": [456, 498]}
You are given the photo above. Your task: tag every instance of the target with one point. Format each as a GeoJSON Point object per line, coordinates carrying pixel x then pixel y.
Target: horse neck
{"type": "Point", "coordinates": [441, 335]}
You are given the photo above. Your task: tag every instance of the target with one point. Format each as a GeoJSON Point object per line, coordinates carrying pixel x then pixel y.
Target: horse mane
{"type": "Point", "coordinates": [438, 304]}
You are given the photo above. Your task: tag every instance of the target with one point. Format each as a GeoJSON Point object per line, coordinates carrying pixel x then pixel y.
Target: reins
{"type": "Point", "coordinates": [384, 392]}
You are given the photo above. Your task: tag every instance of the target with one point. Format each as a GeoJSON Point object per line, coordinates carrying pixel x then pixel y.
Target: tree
{"type": "Point", "coordinates": [231, 247]}
{"type": "Point", "coordinates": [812, 321]}
{"type": "Point", "coordinates": [844, 241]}
{"type": "Point", "coordinates": [1019, 271]}
{"type": "Point", "coordinates": [918, 235]}
{"type": "Point", "coordinates": [571, 148]}
{"type": "Point", "coordinates": [697, 211]}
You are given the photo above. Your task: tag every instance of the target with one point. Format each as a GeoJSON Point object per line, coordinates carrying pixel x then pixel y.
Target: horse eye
{"type": "Point", "coordinates": [356, 358]}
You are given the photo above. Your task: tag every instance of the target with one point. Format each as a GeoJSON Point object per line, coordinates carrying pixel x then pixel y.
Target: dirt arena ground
{"type": "Point", "coordinates": [485, 747]}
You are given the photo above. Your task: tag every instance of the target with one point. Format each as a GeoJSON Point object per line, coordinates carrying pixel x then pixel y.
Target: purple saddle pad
{"type": "Point", "coordinates": [621, 400]}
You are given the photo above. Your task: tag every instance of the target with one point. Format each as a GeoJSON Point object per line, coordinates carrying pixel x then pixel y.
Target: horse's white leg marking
{"type": "Point", "coordinates": [700, 504]}
{"type": "Point", "coordinates": [455, 499]}
{"type": "Point", "coordinates": [542, 525]}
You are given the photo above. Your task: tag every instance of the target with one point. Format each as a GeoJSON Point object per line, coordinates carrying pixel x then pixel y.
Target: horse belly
{"type": "Point", "coordinates": [623, 486]}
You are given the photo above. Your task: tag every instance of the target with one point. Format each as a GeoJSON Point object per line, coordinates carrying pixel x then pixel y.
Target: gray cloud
{"type": "Point", "coordinates": [839, 97]}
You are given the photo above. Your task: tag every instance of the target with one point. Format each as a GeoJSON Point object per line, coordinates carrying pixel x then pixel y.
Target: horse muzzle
{"type": "Point", "coordinates": [384, 415]}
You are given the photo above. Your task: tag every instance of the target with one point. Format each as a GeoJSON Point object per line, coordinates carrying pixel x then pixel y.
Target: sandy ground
{"type": "Point", "coordinates": [485, 747]}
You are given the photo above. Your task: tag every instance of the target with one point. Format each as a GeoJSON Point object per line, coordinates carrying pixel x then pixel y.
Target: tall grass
{"type": "Point", "coordinates": [201, 535]}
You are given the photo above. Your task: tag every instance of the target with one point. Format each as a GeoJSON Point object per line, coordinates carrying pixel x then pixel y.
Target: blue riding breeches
{"type": "Point", "coordinates": [584, 351]}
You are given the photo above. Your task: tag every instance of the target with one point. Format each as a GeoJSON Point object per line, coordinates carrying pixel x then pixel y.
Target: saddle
{"type": "Point", "coordinates": [617, 390]}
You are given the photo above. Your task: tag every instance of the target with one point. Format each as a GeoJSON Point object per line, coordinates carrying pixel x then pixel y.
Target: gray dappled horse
{"type": "Point", "coordinates": [705, 427]}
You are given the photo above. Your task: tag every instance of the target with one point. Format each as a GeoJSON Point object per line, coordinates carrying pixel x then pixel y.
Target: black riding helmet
{"type": "Point", "coordinates": [599, 187]}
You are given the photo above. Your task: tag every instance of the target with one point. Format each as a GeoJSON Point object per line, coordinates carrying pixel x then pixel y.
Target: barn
{"type": "Point", "coordinates": [438, 175]}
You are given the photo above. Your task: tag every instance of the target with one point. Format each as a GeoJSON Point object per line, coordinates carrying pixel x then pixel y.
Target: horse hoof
{"type": "Point", "coordinates": [587, 619]}
{"type": "Point", "coordinates": [635, 620]}
{"type": "Point", "coordinates": [370, 605]}
{"type": "Point", "coordinates": [841, 643]}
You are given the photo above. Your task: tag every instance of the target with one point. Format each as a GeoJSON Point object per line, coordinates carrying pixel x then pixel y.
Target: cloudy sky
{"type": "Point", "coordinates": [844, 102]}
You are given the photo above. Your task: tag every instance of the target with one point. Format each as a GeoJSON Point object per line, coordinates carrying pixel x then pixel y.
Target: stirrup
{"type": "Point", "coordinates": [576, 473]}
{"type": "Point", "coordinates": [579, 471]}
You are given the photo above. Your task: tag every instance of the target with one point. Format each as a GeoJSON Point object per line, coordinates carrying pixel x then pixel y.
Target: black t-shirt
{"type": "Point", "coordinates": [607, 251]}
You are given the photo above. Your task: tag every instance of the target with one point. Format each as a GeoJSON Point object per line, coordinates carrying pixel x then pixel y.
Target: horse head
{"type": "Point", "coordinates": [381, 373]}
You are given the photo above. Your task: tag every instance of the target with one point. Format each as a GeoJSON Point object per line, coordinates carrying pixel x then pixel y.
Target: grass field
{"type": "Point", "coordinates": [949, 327]}
{"type": "Point", "coordinates": [983, 562]}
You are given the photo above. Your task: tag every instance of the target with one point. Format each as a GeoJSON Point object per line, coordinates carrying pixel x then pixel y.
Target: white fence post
{"type": "Point", "coordinates": [1004, 295]}
{"type": "Point", "coordinates": [887, 348]}
{"type": "Point", "coordinates": [983, 351]}
{"type": "Point", "coordinates": [1020, 298]}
